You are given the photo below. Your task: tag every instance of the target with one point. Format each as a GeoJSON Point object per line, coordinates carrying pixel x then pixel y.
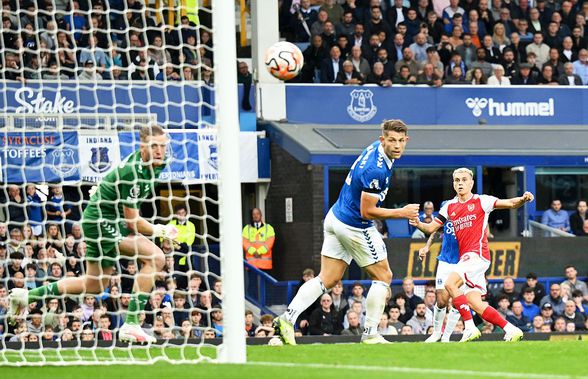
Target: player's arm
{"type": "Point", "coordinates": [370, 211]}
{"type": "Point", "coordinates": [431, 227]}
{"type": "Point", "coordinates": [423, 251]}
{"type": "Point", "coordinates": [515, 202]}
{"type": "Point", "coordinates": [139, 225]}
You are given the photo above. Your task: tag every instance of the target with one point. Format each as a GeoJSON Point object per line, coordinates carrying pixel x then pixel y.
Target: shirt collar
{"type": "Point", "coordinates": [388, 161]}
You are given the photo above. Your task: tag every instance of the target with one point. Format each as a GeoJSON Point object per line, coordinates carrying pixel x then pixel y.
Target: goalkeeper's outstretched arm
{"type": "Point", "coordinates": [139, 225]}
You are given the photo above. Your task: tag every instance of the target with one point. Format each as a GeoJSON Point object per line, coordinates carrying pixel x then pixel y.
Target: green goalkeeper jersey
{"type": "Point", "coordinates": [126, 186]}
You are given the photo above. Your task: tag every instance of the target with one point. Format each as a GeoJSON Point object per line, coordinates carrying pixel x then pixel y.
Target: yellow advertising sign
{"type": "Point", "coordinates": [505, 257]}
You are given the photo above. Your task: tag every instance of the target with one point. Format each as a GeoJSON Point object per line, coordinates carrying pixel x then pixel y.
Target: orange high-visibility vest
{"type": "Point", "coordinates": [258, 245]}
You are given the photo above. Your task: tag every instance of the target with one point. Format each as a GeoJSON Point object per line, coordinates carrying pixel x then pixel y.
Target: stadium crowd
{"type": "Point", "coordinates": [435, 42]}
{"type": "Point", "coordinates": [42, 242]}
{"type": "Point", "coordinates": [563, 309]}
{"type": "Point", "coordinates": [99, 39]}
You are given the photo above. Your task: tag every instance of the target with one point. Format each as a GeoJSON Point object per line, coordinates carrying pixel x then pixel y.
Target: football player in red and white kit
{"type": "Point", "coordinates": [467, 284]}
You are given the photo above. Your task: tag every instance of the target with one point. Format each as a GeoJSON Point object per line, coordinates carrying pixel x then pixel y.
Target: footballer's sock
{"type": "Point", "coordinates": [40, 293]}
{"type": "Point", "coordinates": [375, 302]}
{"type": "Point", "coordinates": [461, 303]}
{"type": "Point", "coordinates": [491, 315]}
{"type": "Point", "coordinates": [452, 320]}
{"type": "Point", "coordinates": [136, 306]}
{"type": "Point", "coordinates": [438, 317]}
{"type": "Point", "coordinates": [307, 294]}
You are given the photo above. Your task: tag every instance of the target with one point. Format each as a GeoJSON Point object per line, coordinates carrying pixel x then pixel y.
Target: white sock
{"type": "Point", "coordinates": [438, 317]}
{"type": "Point", "coordinates": [307, 294]}
{"type": "Point", "coordinates": [452, 319]}
{"type": "Point", "coordinates": [375, 302]}
{"type": "Point", "coordinates": [509, 328]}
{"type": "Point", "coordinates": [469, 324]}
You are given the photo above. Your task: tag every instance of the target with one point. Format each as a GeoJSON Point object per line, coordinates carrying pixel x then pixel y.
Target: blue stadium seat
{"type": "Point", "coordinates": [398, 228]}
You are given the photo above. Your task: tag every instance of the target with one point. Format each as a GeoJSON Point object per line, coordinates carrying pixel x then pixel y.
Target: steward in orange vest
{"type": "Point", "coordinates": [258, 242]}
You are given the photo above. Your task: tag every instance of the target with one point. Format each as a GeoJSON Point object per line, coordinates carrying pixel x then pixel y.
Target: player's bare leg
{"type": "Point", "coordinates": [332, 271]}
{"type": "Point", "coordinates": [460, 302]}
{"type": "Point", "coordinates": [491, 315]}
{"type": "Point", "coordinates": [94, 281]}
{"type": "Point", "coordinates": [381, 276]}
{"type": "Point", "coordinates": [152, 261]}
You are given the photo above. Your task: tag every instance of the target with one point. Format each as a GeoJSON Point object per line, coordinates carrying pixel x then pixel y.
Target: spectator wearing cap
{"type": "Point", "coordinates": [572, 280]}
{"type": "Point", "coordinates": [571, 315]}
{"type": "Point", "coordinates": [554, 298]}
{"type": "Point", "coordinates": [349, 75]}
{"type": "Point", "coordinates": [524, 76]}
{"type": "Point", "coordinates": [530, 309]}
{"type": "Point", "coordinates": [555, 217]}
{"type": "Point", "coordinates": [578, 218]}
{"type": "Point", "coordinates": [517, 318]}
{"type": "Point", "coordinates": [537, 287]}
{"type": "Point", "coordinates": [547, 313]}
{"type": "Point", "coordinates": [568, 78]}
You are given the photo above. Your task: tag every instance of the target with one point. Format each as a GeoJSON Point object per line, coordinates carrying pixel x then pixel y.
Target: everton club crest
{"type": "Point", "coordinates": [362, 108]}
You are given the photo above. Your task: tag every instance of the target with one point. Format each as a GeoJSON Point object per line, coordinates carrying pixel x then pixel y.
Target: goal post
{"type": "Point", "coordinates": [227, 111]}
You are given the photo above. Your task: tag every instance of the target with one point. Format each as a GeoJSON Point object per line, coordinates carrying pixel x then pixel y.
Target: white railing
{"type": "Point", "coordinates": [74, 121]}
{"type": "Point", "coordinates": [538, 229]}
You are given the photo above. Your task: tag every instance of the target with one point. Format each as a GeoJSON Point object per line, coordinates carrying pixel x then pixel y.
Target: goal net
{"type": "Point", "coordinates": [79, 81]}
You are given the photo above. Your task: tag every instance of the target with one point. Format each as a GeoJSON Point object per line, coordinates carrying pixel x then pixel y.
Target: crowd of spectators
{"type": "Point", "coordinates": [563, 309]}
{"type": "Point", "coordinates": [99, 39]}
{"type": "Point", "coordinates": [575, 223]}
{"type": "Point", "coordinates": [42, 242]}
{"type": "Point", "coordinates": [435, 42]}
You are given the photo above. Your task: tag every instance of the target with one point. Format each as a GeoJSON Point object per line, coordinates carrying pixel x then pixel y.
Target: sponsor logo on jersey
{"type": "Point", "coordinates": [510, 108]}
{"type": "Point", "coordinates": [63, 163]}
{"type": "Point", "coordinates": [100, 161]}
{"type": "Point", "coordinates": [471, 207]}
{"type": "Point", "coordinates": [361, 107]}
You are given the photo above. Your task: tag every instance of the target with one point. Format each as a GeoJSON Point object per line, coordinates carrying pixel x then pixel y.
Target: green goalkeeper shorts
{"type": "Point", "coordinates": [102, 238]}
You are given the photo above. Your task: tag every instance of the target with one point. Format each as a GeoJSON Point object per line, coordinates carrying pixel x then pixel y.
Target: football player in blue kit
{"type": "Point", "coordinates": [448, 257]}
{"type": "Point", "coordinates": [350, 234]}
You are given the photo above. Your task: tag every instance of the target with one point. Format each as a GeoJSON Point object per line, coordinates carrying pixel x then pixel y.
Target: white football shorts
{"type": "Point", "coordinates": [345, 242]}
{"type": "Point", "coordinates": [443, 271]}
{"type": "Point", "coordinates": [472, 269]}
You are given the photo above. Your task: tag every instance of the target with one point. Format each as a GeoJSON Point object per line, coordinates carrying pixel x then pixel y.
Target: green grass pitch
{"type": "Point", "coordinates": [532, 360]}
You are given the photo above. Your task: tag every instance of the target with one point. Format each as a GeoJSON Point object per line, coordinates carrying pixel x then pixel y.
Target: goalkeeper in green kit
{"type": "Point", "coordinates": [112, 225]}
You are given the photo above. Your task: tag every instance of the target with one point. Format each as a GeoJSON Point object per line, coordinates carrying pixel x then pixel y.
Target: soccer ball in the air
{"type": "Point", "coordinates": [275, 341]}
{"type": "Point", "coordinates": [284, 60]}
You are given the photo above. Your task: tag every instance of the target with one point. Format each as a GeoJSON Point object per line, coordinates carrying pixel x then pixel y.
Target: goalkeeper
{"type": "Point", "coordinates": [112, 225]}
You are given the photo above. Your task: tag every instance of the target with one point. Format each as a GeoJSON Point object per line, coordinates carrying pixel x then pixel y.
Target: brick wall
{"type": "Point", "coordinates": [298, 244]}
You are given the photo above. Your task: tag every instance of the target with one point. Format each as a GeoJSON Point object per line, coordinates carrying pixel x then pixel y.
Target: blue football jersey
{"type": "Point", "coordinates": [449, 248]}
{"type": "Point", "coordinates": [369, 173]}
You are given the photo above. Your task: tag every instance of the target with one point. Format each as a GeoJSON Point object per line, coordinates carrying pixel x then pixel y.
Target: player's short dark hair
{"type": "Point", "coordinates": [571, 266]}
{"type": "Point", "coordinates": [149, 131]}
{"type": "Point", "coordinates": [394, 126]}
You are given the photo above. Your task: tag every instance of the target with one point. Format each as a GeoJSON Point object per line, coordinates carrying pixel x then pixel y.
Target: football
{"type": "Point", "coordinates": [284, 60]}
{"type": "Point", "coordinates": [275, 341]}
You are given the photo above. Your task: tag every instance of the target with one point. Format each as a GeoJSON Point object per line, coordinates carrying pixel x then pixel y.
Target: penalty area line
{"type": "Point", "coordinates": [416, 370]}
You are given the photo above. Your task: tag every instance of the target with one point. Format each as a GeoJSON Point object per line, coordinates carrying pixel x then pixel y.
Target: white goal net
{"type": "Point", "coordinates": [80, 80]}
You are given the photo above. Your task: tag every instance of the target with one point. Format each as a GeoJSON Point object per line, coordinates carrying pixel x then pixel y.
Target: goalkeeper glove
{"type": "Point", "coordinates": [165, 231]}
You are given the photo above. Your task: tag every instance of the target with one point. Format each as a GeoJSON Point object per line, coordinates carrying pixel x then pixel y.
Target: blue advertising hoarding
{"type": "Point", "coordinates": [39, 157]}
{"type": "Point", "coordinates": [456, 105]}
